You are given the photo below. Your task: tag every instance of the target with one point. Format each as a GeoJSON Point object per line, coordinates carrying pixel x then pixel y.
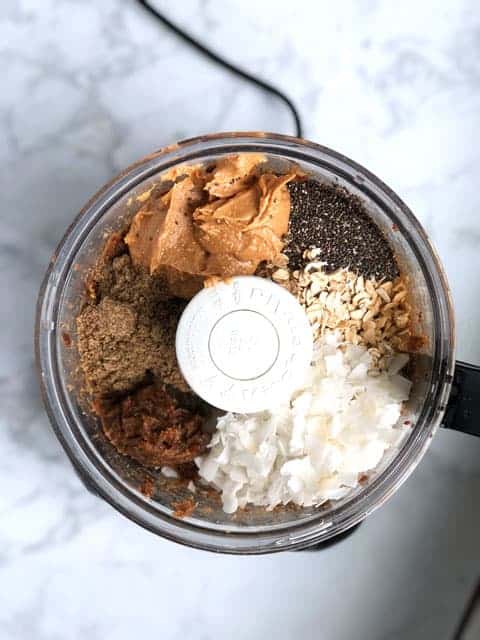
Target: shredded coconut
{"type": "Point", "coordinates": [168, 472]}
{"type": "Point", "coordinates": [316, 446]}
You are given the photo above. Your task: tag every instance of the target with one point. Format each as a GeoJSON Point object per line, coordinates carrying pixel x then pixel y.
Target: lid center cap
{"type": "Point", "coordinates": [243, 344]}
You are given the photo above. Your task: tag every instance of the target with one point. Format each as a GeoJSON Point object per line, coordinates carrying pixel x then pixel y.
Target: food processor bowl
{"type": "Point", "coordinates": [119, 479]}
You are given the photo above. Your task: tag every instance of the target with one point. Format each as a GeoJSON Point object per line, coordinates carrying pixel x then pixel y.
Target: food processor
{"type": "Point", "coordinates": [119, 480]}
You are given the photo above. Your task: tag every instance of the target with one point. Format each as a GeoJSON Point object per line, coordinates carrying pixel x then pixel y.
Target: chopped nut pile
{"type": "Point", "coordinates": [364, 311]}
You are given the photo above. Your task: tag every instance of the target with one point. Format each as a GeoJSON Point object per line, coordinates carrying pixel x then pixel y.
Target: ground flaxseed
{"type": "Point", "coordinates": [329, 218]}
{"type": "Point", "coordinates": [126, 332]}
{"type": "Point", "coordinates": [126, 341]}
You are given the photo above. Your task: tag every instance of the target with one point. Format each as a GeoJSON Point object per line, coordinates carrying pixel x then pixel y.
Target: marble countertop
{"type": "Point", "coordinates": [90, 86]}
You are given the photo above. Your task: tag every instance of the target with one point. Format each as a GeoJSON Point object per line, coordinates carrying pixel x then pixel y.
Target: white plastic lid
{"type": "Point", "coordinates": [244, 345]}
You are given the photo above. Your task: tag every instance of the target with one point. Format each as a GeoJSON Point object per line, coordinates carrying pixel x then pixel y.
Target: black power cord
{"type": "Point", "coordinates": [468, 614]}
{"type": "Point", "coordinates": [208, 53]}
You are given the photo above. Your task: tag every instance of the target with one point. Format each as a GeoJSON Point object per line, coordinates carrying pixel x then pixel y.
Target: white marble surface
{"type": "Point", "coordinates": [87, 87]}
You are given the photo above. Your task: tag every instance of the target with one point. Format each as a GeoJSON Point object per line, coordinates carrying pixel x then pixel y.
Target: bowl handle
{"type": "Point", "coordinates": [463, 408]}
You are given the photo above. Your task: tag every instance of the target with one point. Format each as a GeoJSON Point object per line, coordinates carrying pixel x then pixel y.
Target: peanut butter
{"type": "Point", "coordinates": [221, 222]}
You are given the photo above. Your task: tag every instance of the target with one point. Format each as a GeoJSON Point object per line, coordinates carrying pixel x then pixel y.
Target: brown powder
{"type": "Point", "coordinates": [126, 342]}
{"type": "Point", "coordinates": [126, 334]}
{"type": "Point", "coordinates": [184, 508]}
{"type": "Point", "coordinates": [147, 488]}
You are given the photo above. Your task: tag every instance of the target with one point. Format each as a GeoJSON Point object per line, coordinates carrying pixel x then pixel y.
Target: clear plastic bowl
{"type": "Point", "coordinates": [116, 478]}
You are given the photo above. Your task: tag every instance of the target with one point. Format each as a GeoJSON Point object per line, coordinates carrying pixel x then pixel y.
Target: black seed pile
{"type": "Point", "coordinates": [329, 218]}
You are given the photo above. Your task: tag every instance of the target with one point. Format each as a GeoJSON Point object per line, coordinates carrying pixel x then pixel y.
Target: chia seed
{"type": "Point", "coordinates": [329, 218]}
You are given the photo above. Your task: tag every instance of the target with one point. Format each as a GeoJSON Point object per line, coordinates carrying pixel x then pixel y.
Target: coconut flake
{"type": "Point", "coordinates": [168, 472]}
{"type": "Point", "coordinates": [337, 427]}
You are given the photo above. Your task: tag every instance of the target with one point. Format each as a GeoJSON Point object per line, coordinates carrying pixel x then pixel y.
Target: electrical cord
{"type": "Point", "coordinates": [211, 55]}
{"type": "Point", "coordinates": [468, 614]}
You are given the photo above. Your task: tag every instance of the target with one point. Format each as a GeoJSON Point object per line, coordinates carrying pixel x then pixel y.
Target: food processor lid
{"type": "Point", "coordinates": [244, 344]}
